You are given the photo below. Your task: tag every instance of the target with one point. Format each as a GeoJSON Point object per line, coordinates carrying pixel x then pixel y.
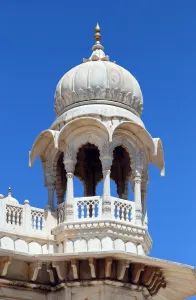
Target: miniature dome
{"type": "Point", "coordinates": [9, 198]}
{"type": "Point", "coordinates": [98, 81]}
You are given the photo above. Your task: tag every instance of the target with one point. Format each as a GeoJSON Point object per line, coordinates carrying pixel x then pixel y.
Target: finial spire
{"type": "Point", "coordinates": [97, 35]}
{"type": "Point", "coordinates": [98, 49]}
{"type": "Point", "coordinates": [9, 191]}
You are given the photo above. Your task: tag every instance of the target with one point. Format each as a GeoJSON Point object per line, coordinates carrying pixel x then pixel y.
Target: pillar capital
{"type": "Point", "coordinates": [50, 179]}
{"type": "Point", "coordinates": [137, 178]}
{"type": "Point", "coordinates": [139, 163]}
{"type": "Point", "coordinates": [106, 156]}
{"type": "Point", "coordinates": [69, 163]}
{"type": "Point", "coordinates": [69, 159]}
{"type": "Point", "coordinates": [50, 183]}
{"type": "Point", "coordinates": [70, 175]}
{"type": "Point", "coordinates": [106, 164]}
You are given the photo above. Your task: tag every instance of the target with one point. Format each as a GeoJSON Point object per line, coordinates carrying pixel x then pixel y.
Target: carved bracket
{"type": "Point", "coordinates": [136, 272]}
{"type": "Point", "coordinates": [92, 265]}
{"type": "Point", "coordinates": [108, 267]}
{"type": "Point", "coordinates": [74, 265]}
{"type": "Point", "coordinates": [122, 266]}
{"type": "Point", "coordinates": [60, 269]}
{"type": "Point", "coordinates": [4, 266]}
{"type": "Point", "coordinates": [50, 272]}
{"type": "Point", "coordinates": [34, 269]}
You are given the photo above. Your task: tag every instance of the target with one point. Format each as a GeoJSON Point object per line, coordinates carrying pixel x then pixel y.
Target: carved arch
{"type": "Point", "coordinates": [129, 147]}
{"type": "Point", "coordinates": [80, 131]}
{"type": "Point", "coordinates": [141, 133]}
{"type": "Point", "coordinates": [41, 143]}
{"type": "Point", "coordinates": [158, 158]}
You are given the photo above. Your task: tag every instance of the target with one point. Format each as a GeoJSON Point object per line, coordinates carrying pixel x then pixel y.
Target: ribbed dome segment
{"type": "Point", "coordinates": [98, 82]}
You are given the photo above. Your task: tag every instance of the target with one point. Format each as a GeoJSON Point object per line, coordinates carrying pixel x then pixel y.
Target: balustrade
{"type": "Point", "coordinates": [27, 218]}
{"type": "Point", "coordinates": [14, 215]}
{"type": "Point", "coordinates": [123, 210]}
{"type": "Point", "coordinates": [37, 218]}
{"type": "Point", "coordinates": [22, 217]}
{"type": "Point", "coordinates": [88, 208]}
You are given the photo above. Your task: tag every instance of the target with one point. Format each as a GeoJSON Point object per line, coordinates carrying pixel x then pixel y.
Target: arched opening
{"type": "Point", "coordinates": [113, 188]}
{"type": "Point", "coordinates": [61, 180]}
{"type": "Point", "coordinates": [121, 171]}
{"type": "Point", "coordinates": [88, 168]}
{"type": "Point", "coordinates": [78, 187]}
{"type": "Point", "coordinates": [99, 187]}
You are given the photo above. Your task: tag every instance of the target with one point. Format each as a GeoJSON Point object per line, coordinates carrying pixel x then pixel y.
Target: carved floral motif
{"type": "Point", "coordinates": [121, 97]}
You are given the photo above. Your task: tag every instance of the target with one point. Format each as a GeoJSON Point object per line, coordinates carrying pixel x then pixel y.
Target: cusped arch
{"type": "Point", "coordinates": [54, 159]}
{"type": "Point", "coordinates": [140, 132]}
{"type": "Point", "coordinates": [127, 144]}
{"type": "Point", "coordinates": [41, 144]}
{"type": "Point", "coordinates": [158, 158]}
{"type": "Point", "coordinates": [81, 131]}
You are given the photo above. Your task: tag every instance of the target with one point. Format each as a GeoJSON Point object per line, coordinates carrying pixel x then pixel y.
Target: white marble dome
{"type": "Point", "coordinates": [98, 81]}
{"type": "Point", "coordinates": [10, 199]}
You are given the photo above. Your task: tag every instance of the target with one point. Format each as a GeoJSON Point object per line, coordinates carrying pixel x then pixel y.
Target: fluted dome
{"type": "Point", "coordinates": [98, 81]}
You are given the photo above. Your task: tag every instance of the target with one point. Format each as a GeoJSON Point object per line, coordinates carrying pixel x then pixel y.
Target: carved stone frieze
{"type": "Point", "coordinates": [121, 98]}
{"type": "Point", "coordinates": [114, 230]}
{"type": "Point", "coordinates": [69, 211]}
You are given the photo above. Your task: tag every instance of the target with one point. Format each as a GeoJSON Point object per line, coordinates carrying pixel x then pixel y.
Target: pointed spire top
{"type": "Point", "coordinates": [98, 53]}
{"type": "Point", "coordinates": [97, 35]}
{"type": "Point", "coordinates": [9, 191]}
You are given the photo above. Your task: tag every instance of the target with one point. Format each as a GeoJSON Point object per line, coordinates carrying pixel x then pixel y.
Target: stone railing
{"type": "Point", "coordinates": [14, 214]}
{"type": "Point", "coordinates": [90, 208]}
{"type": "Point", "coordinates": [34, 230]}
{"type": "Point", "coordinates": [31, 219]}
{"type": "Point", "coordinates": [87, 208]}
{"type": "Point", "coordinates": [25, 219]}
{"type": "Point", "coordinates": [37, 218]}
{"type": "Point", "coordinates": [123, 210]}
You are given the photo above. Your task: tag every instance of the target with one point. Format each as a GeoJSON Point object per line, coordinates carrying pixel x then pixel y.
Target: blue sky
{"type": "Point", "coordinates": [155, 41]}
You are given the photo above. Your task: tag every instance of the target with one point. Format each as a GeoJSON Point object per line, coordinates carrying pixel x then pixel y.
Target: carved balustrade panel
{"type": "Point", "coordinates": [14, 215]}
{"type": "Point", "coordinates": [37, 218]}
{"type": "Point", "coordinates": [88, 208]}
{"type": "Point", "coordinates": [123, 210]}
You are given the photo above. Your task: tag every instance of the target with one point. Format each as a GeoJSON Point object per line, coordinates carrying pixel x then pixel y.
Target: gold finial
{"type": "Point", "coordinates": [97, 35]}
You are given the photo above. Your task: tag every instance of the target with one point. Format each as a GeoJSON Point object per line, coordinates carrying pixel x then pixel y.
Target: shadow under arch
{"type": "Point", "coordinates": [88, 168]}
{"type": "Point", "coordinates": [121, 171]}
